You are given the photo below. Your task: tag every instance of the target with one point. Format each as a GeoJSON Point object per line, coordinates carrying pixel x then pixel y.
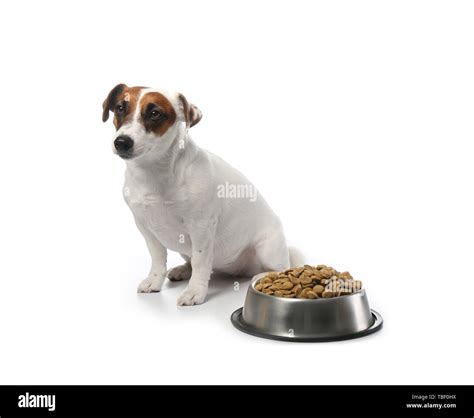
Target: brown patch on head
{"type": "Point", "coordinates": [157, 113]}
{"type": "Point", "coordinates": [122, 100]}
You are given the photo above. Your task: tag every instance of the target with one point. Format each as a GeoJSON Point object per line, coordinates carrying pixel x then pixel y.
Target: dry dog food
{"type": "Point", "coordinates": [308, 282]}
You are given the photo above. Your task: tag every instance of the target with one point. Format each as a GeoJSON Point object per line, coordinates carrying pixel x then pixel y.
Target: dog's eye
{"type": "Point", "coordinates": [119, 109]}
{"type": "Point", "coordinates": [155, 115]}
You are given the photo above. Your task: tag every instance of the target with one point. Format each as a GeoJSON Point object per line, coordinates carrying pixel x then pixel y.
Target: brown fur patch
{"type": "Point", "coordinates": [129, 96]}
{"type": "Point", "coordinates": [164, 107]}
{"type": "Point", "coordinates": [121, 94]}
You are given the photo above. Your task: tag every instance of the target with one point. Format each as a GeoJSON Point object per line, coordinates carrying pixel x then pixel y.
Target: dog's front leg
{"type": "Point", "coordinates": [157, 274]}
{"type": "Point", "coordinates": [202, 241]}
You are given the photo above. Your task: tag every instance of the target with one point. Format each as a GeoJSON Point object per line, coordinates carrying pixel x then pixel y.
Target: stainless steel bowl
{"type": "Point", "coordinates": [287, 319]}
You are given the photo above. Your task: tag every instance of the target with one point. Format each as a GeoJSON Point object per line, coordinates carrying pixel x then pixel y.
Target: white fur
{"type": "Point", "coordinates": [171, 187]}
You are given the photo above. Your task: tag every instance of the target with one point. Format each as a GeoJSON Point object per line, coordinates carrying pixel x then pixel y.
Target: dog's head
{"type": "Point", "coordinates": [147, 119]}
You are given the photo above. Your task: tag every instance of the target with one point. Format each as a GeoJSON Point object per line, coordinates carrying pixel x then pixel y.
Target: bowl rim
{"type": "Point", "coordinates": [237, 320]}
{"type": "Point", "coordinates": [360, 292]}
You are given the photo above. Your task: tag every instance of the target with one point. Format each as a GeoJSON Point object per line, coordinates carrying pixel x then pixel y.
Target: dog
{"type": "Point", "coordinates": [188, 200]}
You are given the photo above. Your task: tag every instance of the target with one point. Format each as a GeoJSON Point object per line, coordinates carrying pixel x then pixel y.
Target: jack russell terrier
{"type": "Point", "coordinates": [189, 200]}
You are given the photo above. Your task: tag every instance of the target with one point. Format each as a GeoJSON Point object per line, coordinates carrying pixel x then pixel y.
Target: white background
{"type": "Point", "coordinates": [354, 119]}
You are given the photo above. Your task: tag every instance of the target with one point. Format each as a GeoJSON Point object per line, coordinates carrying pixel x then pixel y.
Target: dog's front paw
{"type": "Point", "coordinates": [150, 285]}
{"type": "Point", "coordinates": [193, 295]}
{"type": "Point", "coordinates": [182, 272]}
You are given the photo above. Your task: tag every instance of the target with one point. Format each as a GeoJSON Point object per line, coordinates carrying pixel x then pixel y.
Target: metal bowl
{"type": "Point", "coordinates": [332, 319]}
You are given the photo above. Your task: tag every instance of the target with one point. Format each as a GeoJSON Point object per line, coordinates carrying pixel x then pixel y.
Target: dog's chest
{"type": "Point", "coordinates": [159, 215]}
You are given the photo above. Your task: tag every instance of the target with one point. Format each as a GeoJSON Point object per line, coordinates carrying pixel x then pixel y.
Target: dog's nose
{"type": "Point", "coordinates": [123, 143]}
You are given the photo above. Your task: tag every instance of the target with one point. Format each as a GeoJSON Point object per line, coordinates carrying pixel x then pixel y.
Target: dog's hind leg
{"type": "Point", "coordinates": [182, 272]}
{"type": "Point", "coordinates": [272, 252]}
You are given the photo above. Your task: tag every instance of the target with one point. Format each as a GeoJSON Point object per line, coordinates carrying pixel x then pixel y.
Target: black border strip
{"type": "Point", "coordinates": [231, 401]}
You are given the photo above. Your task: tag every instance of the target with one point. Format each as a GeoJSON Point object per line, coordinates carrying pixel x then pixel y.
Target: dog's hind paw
{"type": "Point", "coordinates": [150, 285]}
{"type": "Point", "coordinates": [182, 272]}
{"type": "Point", "coordinates": [193, 295]}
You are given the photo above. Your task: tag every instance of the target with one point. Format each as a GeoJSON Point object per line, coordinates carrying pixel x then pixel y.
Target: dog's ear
{"type": "Point", "coordinates": [111, 100]}
{"type": "Point", "coordinates": [192, 115]}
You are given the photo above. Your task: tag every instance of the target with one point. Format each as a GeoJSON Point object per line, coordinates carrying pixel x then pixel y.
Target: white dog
{"type": "Point", "coordinates": [188, 200]}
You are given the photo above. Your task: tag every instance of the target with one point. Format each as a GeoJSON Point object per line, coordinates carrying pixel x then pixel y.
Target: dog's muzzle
{"type": "Point", "coordinates": [123, 144]}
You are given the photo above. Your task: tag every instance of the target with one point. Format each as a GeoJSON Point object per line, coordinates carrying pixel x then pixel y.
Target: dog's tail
{"type": "Point", "coordinates": [297, 258]}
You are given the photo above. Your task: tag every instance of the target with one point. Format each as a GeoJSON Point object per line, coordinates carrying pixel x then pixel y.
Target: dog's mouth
{"type": "Point", "coordinates": [125, 155]}
{"type": "Point", "coordinates": [135, 152]}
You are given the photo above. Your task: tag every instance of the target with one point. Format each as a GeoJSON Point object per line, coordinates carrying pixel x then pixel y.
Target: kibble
{"type": "Point", "coordinates": [308, 282]}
